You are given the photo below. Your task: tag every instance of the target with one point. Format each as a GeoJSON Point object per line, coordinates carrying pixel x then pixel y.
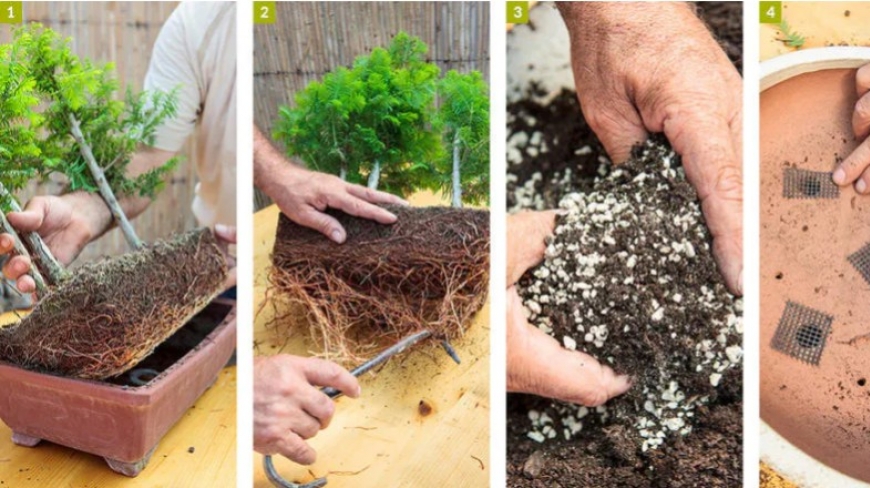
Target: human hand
{"type": "Point", "coordinates": [536, 362]}
{"type": "Point", "coordinates": [226, 237]}
{"type": "Point", "coordinates": [856, 168]}
{"type": "Point", "coordinates": [289, 407]}
{"type": "Point", "coordinates": [61, 224]}
{"type": "Point", "coordinates": [305, 195]}
{"type": "Point", "coordinates": [654, 67]}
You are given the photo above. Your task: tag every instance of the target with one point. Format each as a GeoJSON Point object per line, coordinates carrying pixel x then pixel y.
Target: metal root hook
{"type": "Point", "coordinates": [386, 354]}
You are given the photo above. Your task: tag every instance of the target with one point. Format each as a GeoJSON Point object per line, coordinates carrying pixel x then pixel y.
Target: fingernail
{"type": "Point", "coordinates": [740, 283]}
{"type": "Point", "coordinates": [221, 229]}
{"type": "Point", "coordinates": [861, 186]}
{"type": "Point", "coordinates": [358, 391]}
{"type": "Point", "coordinates": [839, 176]}
{"type": "Point", "coordinates": [336, 236]}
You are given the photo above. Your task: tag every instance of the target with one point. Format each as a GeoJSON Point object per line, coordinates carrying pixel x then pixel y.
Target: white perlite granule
{"type": "Point", "coordinates": [630, 249]}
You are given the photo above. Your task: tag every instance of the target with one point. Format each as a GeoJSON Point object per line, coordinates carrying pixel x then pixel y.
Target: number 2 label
{"type": "Point", "coordinates": [264, 12]}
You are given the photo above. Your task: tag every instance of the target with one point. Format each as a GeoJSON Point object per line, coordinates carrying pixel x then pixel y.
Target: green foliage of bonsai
{"type": "Point", "coordinates": [464, 114]}
{"type": "Point", "coordinates": [377, 123]}
{"type": "Point", "coordinates": [45, 84]}
{"type": "Point", "coordinates": [59, 114]}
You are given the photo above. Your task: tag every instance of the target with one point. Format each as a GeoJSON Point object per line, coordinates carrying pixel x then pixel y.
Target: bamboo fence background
{"type": "Point", "coordinates": [310, 39]}
{"type": "Point", "coordinates": [122, 33]}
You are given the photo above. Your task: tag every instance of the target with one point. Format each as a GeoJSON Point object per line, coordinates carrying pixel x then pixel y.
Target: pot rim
{"type": "Point", "coordinates": [796, 465]}
{"type": "Point", "coordinates": [781, 68]}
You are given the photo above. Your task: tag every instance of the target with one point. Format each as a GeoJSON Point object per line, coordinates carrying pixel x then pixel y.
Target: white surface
{"type": "Point", "coordinates": [546, 48]}
{"type": "Point", "coordinates": [797, 466]}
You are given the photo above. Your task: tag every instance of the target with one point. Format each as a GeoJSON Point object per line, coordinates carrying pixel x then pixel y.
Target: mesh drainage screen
{"type": "Point", "coordinates": [802, 333]}
{"type": "Point", "coordinates": [800, 183]}
{"type": "Point", "coordinates": [861, 261]}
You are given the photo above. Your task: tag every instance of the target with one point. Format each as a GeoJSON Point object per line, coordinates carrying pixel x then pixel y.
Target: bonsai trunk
{"type": "Point", "coordinates": [343, 173]}
{"type": "Point", "coordinates": [103, 184]}
{"type": "Point", "coordinates": [457, 188]}
{"type": "Point", "coordinates": [375, 175]}
{"type": "Point", "coordinates": [20, 249]}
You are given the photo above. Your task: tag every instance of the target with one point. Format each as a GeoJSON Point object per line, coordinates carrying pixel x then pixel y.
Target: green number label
{"type": "Point", "coordinates": [11, 12]}
{"type": "Point", "coordinates": [264, 12]}
{"type": "Point", "coordinates": [771, 12]}
{"type": "Point", "coordinates": [518, 12]}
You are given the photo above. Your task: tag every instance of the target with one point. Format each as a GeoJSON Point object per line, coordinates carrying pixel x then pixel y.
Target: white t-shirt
{"type": "Point", "coordinates": [196, 52]}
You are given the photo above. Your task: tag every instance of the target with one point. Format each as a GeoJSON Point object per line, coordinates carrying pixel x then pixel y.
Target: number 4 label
{"type": "Point", "coordinates": [11, 12]}
{"type": "Point", "coordinates": [264, 12]}
{"type": "Point", "coordinates": [771, 12]}
{"type": "Point", "coordinates": [518, 12]}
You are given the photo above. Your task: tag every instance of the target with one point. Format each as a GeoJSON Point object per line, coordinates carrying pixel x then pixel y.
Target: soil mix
{"type": "Point", "coordinates": [429, 270]}
{"type": "Point", "coordinates": [552, 153]}
{"type": "Point", "coordinates": [110, 315]}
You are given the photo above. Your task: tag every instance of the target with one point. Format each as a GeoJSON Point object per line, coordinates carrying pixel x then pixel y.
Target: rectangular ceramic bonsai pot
{"type": "Point", "coordinates": [122, 424]}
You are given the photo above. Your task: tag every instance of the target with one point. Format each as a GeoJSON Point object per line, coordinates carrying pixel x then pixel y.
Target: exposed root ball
{"type": "Point", "coordinates": [428, 270]}
{"type": "Point", "coordinates": [112, 314]}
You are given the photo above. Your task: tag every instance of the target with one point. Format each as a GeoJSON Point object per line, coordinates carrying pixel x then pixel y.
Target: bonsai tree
{"type": "Point", "coordinates": [372, 123]}
{"type": "Point", "coordinates": [464, 114]}
{"type": "Point", "coordinates": [63, 117]}
{"type": "Point", "coordinates": [60, 116]}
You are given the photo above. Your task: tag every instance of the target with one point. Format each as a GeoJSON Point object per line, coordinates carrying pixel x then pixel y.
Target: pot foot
{"type": "Point", "coordinates": [25, 440]}
{"type": "Point", "coordinates": [130, 469]}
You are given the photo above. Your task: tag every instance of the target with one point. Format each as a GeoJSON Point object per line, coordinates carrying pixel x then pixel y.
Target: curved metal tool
{"type": "Point", "coordinates": [365, 367]}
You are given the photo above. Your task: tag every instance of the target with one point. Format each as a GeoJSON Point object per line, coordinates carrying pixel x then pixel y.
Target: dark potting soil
{"type": "Point", "coordinates": [178, 345]}
{"type": "Point", "coordinates": [111, 314]}
{"type": "Point", "coordinates": [609, 453]}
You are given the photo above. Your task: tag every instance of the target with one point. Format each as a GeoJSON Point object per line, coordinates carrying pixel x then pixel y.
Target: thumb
{"type": "Point", "coordinates": [541, 366]}
{"type": "Point", "coordinates": [527, 241]}
{"type": "Point", "coordinates": [33, 216]}
{"type": "Point", "coordinates": [714, 169]}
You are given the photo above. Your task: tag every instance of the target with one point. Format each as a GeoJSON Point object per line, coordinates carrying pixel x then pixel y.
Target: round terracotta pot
{"type": "Point", "coordinates": [815, 318]}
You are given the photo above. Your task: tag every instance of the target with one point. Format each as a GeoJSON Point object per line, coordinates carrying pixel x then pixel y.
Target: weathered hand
{"type": "Point", "coordinates": [65, 229]}
{"type": "Point", "coordinates": [536, 362]}
{"type": "Point", "coordinates": [289, 407]}
{"type": "Point", "coordinates": [856, 168]}
{"type": "Point", "coordinates": [307, 194]}
{"type": "Point", "coordinates": [654, 67]}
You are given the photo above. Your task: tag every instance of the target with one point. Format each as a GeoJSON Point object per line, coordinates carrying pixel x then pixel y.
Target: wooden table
{"type": "Point", "coordinates": [209, 427]}
{"type": "Point", "coordinates": [383, 438]}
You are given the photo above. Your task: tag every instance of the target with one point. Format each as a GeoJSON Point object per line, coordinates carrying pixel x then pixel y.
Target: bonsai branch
{"type": "Point", "coordinates": [20, 249]}
{"type": "Point", "coordinates": [103, 184]}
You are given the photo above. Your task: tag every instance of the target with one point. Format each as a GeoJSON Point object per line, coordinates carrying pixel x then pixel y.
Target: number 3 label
{"type": "Point", "coordinates": [264, 12]}
{"type": "Point", "coordinates": [11, 12]}
{"type": "Point", "coordinates": [518, 12]}
{"type": "Point", "coordinates": [770, 12]}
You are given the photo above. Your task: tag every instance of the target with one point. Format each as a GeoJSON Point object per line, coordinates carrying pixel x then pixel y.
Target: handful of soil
{"type": "Point", "coordinates": [429, 270]}
{"type": "Point", "coordinates": [629, 278]}
{"type": "Point", "coordinates": [110, 315]}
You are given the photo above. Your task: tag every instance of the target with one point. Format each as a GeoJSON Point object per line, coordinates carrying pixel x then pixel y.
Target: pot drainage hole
{"type": "Point", "coordinates": [802, 333]}
{"type": "Point", "coordinates": [801, 183]}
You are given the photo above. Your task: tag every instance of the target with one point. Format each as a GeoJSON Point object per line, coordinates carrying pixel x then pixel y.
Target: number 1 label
{"type": "Point", "coordinates": [11, 12]}
{"type": "Point", "coordinates": [264, 12]}
{"type": "Point", "coordinates": [770, 12]}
